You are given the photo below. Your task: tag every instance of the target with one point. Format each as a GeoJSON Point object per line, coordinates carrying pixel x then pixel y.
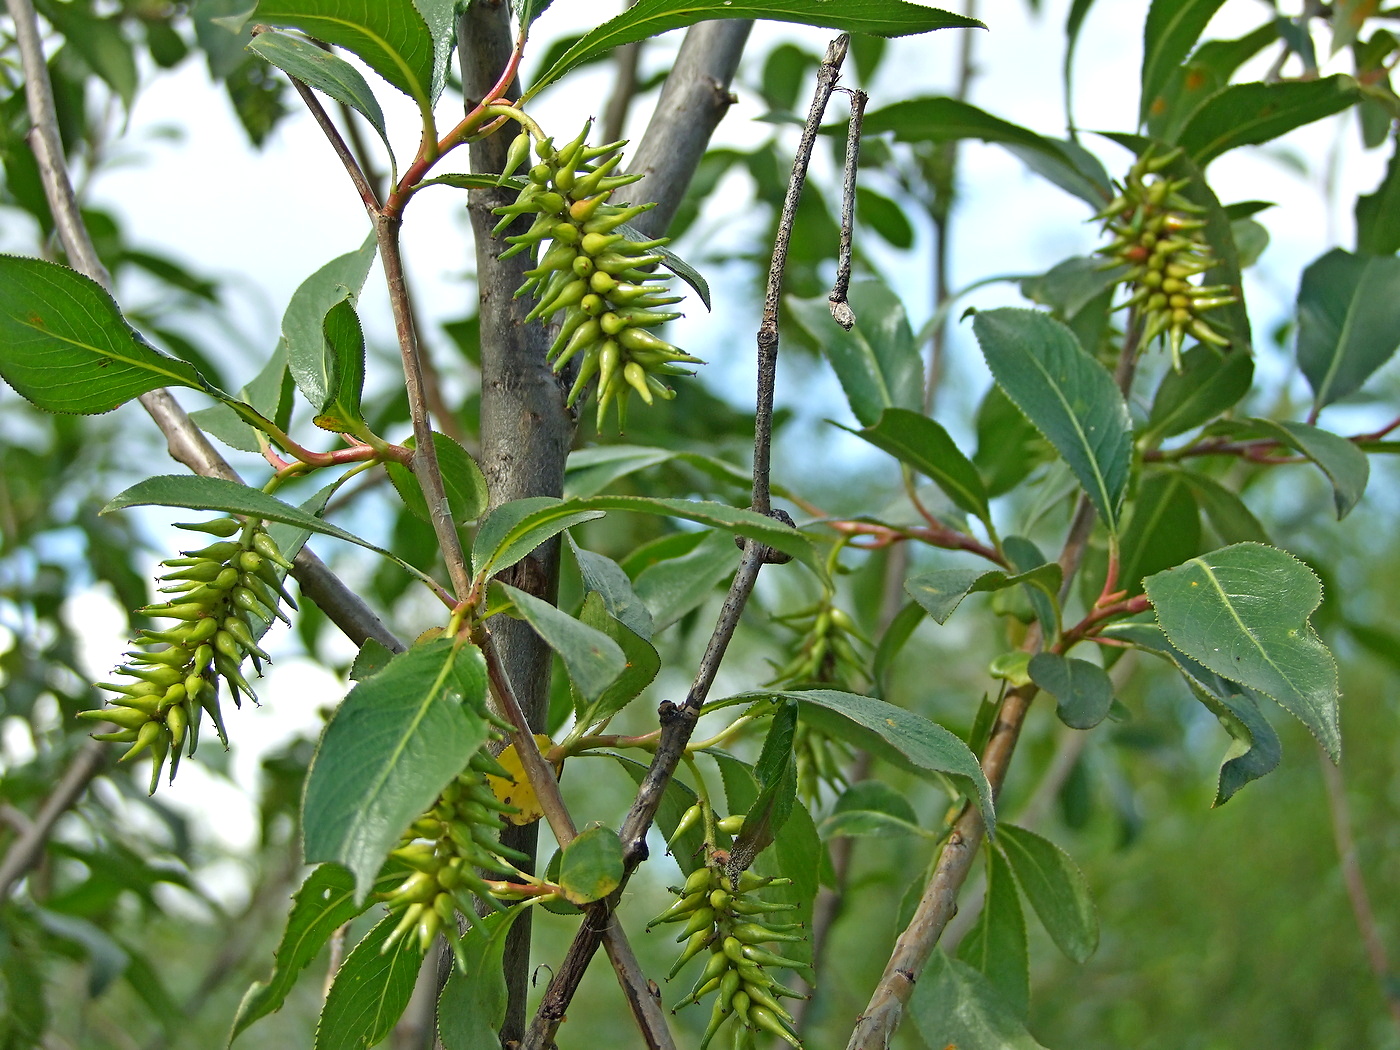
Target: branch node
{"type": "Point", "coordinates": [770, 555]}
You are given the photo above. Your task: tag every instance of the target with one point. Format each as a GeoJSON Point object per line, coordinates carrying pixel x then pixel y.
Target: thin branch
{"type": "Point", "coordinates": [643, 997]}
{"type": "Point", "coordinates": [827, 74]}
{"type": "Point", "coordinates": [841, 310]}
{"type": "Point", "coordinates": [28, 847]}
{"type": "Point", "coordinates": [425, 462]}
{"type": "Point", "coordinates": [625, 61]}
{"type": "Point", "coordinates": [1355, 883]}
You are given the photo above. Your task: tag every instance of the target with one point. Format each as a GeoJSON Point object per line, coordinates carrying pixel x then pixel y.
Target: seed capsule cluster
{"type": "Point", "coordinates": [445, 847]}
{"type": "Point", "coordinates": [602, 282]}
{"type": "Point", "coordinates": [724, 918]}
{"type": "Point", "coordinates": [226, 595]}
{"type": "Point", "coordinates": [826, 656]}
{"type": "Point", "coordinates": [1159, 235]}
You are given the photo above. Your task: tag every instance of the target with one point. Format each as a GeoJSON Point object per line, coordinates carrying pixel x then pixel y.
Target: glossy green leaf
{"type": "Point", "coordinates": [326, 72]}
{"type": "Point", "coordinates": [1255, 749]}
{"type": "Point", "coordinates": [311, 359]}
{"type": "Point", "coordinates": [472, 1006]}
{"type": "Point", "coordinates": [1232, 521]}
{"type": "Point", "coordinates": [1348, 321]}
{"type": "Point", "coordinates": [325, 902]}
{"type": "Point", "coordinates": [996, 946]}
{"type": "Point", "coordinates": [1199, 77]}
{"type": "Point", "coordinates": [462, 480]}
{"type": "Point", "coordinates": [918, 441]}
{"type": "Point", "coordinates": [590, 470]}
{"type": "Point", "coordinates": [1171, 30]}
{"type": "Point", "coordinates": [647, 18]}
{"type": "Point", "coordinates": [942, 119]}
{"type": "Point", "coordinates": [941, 591]}
{"type": "Point", "coordinates": [1250, 114]}
{"type": "Point", "coordinates": [1009, 447]}
{"type": "Point", "coordinates": [270, 393]}
{"type": "Point", "coordinates": [877, 361]}
{"type": "Point", "coordinates": [345, 370]}
{"type": "Point", "coordinates": [1346, 466]}
{"type": "Point", "coordinates": [200, 493]}
{"type": "Point", "coordinates": [591, 866]}
{"type": "Point", "coordinates": [673, 262]}
{"type": "Point", "coordinates": [674, 587]}
{"type": "Point", "coordinates": [1164, 530]}
{"type": "Point", "coordinates": [401, 40]}
{"type": "Point", "coordinates": [390, 748]}
{"type": "Point", "coordinates": [592, 659]}
{"type": "Point", "coordinates": [1083, 692]}
{"type": "Point", "coordinates": [370, 991]}
{"type": "Point", "coordinates": [1067, 394]}
{"type": "Point", "coordinates": [514, 529]}
{"type": "Point", "coordinates": [892, 642]}
{"type": "Point", "coordinates": [1242, 612]}
{"type": "Point", "coordinates": [1056, 888]}
{"type": "Point", "coordinates": [640, 669]}
{"type": "Point", "coordinates": [908, 739]}
{"type": "Point", "coordinates": [884, 216]}
{"type": "Point", "coordinates": [1210, 382]}
{"type": "Point", "coordinates": [955, 1006]}
{"type": "Point", "coordinates": [870, 807]}
{"type": "Point", "coordinates": [1378, 213]}
{"type": "Point", "coordinates": [65, 346]}
{"type": "Point", "coordinates": [776, 774]}
{"type": "Point", "coordinates": [605, 578]}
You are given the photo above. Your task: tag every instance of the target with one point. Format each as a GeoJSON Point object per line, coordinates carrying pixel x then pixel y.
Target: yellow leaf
{"type": "Point", "coordinates": [521, 793]}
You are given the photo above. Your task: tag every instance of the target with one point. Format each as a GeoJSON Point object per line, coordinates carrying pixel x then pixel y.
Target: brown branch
{"type": "Point", "coordinates": [28, 847]}
{"type": "Point", "coordinates": [1355, 883]}
{"type": "Point", "coordinates": [841, 311]}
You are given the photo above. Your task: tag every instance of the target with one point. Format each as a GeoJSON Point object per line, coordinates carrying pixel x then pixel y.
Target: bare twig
{"type": "Point", "coordinates": [841, 310]}
{"type": "Point", "coordinates": [625, 61]}
{"type": "Point", "coordinates": [1355, 883]}
{"type": "Point", "coordinates": [643, 997]}
{"type": "Point", "coordinates": [28, 847]}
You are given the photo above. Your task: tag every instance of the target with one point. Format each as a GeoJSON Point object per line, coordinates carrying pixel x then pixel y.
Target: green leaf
{"type": "Point", "coordinates": [604, 577]}
{"type": "Point", "coordinates": [1074, 22]}
{"type": "Point", "coordinates": [1071, 285]}
{"type": "Point", "coordinates": [673, 262]}
{"type": "Point", "coordinates": [676, 799]}
{"type": "Point", "coordinates": [941, 591]}
{"type": "Point", "coordinates": [1346, 466]}
{"type": "Point", "coordinates": [529, 10]}
{"type": "Point", "coordinates": [370, 991]}
{"type": "Point", "coordinates": [892, 642]}
{"type": "Point", "coordinates": [325, 902]}
{"type": "Point", "coordinates": [923, 444]}
{"type": "Point", "coordinates": [372, 658]}
{"type": "Point", "coordinates": [592, 659]}
{"type": "Point", "coordinates": [1171, 30]}
{"type": "Point", "coordinates": [884, 216]}
{"type": "Point", "coordinates": [908, 739]}
{"type": "Point", "coordinates": [1056, 888]}
{"type": "Point", "coordinates": [870, 807]}
{"type": "Point", "coordinates": [531, 521]}
{"type": "Point", "coordinates": [996, 945]}
{"type": "Point", "coordinates": [776, 774]}
{"type": "Point", "coordinates": [590, 470]}
{"type": "Point", "coordinates": [1210, 382]}
{"type": "Point", "coordinates": [390, 36]}
{"type": "Point", "coordinates": [514, 529]}
{"type": "Point", "coordinates": [462, 480]}
{"type": "Point", "coordinates": [1232, 520]}
{"type": "Point", "coordinates": [1206, 72]}
{"type": "Point", "coordinates": [1250, 114]}
{"type": "Point", "coordinates": [591, 866]}
{"type": "Point", "coordinates": [954, 1005]}
{"type": "Point", "coordinates": [1348, 321]}
{"type": "Point", "coordinates": [1378, 214]}
{"type": "Point", "coordinates": [1255, 749]}
{"type": "Point", "coordinates": [1067, 394]}
{"type": "Point", "coordinates": [1009, 447]}
{"type": "Point", "coordinates": [328, 73]}
{"type": "Point", "coordinates": [270, 394]}
{"type": "Point", "coordinates": [673, 587]}
{"type": "Point", "coordinates": [199, 493]}
{"type": "Point", "coordinates": [642, 661]}
{"type": "Point", "coordinates": [345, 368]}
{"type": "Point", "coordinates": [102, 45]}
{"type": "Point", "coordinates": [1242, 612]}
{"type": "Point", "coordinates": [472, 1006]}
{"type": "Point", "coordinates": [877, 361]}
{"type": "Point", "coordinates": [648, 18]}
{"type": "Point", "coordinates": [1165, 529]}
{"type": "Point", "coordinates": [1083, 692]}
{"type": "Point", "coordinates": [391, 747]}
{"type": "Point", "coordinates": [312, 361]}
{"type": "Point", "coordinates": [942, 119]}
{"type": "Point", "coordinates": [65, 346]}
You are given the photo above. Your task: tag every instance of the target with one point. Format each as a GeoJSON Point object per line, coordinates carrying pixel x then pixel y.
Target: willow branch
{"type": "Point", "coordinates": [28, 847]}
